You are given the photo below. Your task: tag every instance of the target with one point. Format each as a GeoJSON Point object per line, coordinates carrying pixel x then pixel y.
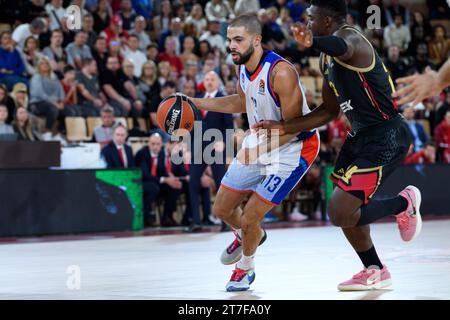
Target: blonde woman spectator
{"type": "Point", "coordinates": [164, 71]}
{"type": "Point", "coordinates": [46, 94]}
{"type": "Point", "coordinates": [197, 19]}
{"type": "Point", "coordinates": [22, 125]}
{"type": "Point", "coordinates": [218, 10]}
{"type": "Point", "coordinates": [149, 86]}
{"type": "Point", "coordinates": [31, 55]}
{"type": "Point", "coordinates": [20, 95]}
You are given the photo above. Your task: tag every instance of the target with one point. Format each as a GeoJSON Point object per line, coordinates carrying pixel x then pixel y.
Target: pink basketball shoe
{"type": "Point", "coordinates": [368, 279]}
{"type": "Point", "coordinates": [409, 221]}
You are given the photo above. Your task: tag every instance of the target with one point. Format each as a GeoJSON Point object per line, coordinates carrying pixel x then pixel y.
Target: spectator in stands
{"type": "Point", "coordinates": [118, 154]}
{"type": "Point", "coordinates": [167, 89]}
{"type": "Point", "coordinates": [118, 91]}
{"type": "Point", "coordinates": [421, 59]}
{"type": "Point", "coordinates": [103, 134]}
{"type": "Point", "coordinates": [164, 72]}
{"type": "Point", "coordinates": [396, 9]}
{"type": "Point", "coordinates": [71, 107]}
{"type": "Point", "coordinates": [56, 12]}
{"type": "Point", "coordinates": [442, 138]}
{"type": "Point", "coordinates": [22, 32]}
{"type": "Point", "coordinates": [418, 135]}
{"type": "Point", "coordinates": [90, 97]}
{"type": "Point", "coordinates": [442, 108]}
{"type": "Point", "coordinates": [162, 21]}
{"type": "Point", "coordinates": [31, 10]}
{"type": "Point", "coordinates": [7, 101]}
{"type": "Point", "coordinates": [197, 18]}
{"type": "Point", "coordinates": [273, 37]}
{"type": "Point", "coordinates": [78, 50]}
{"type": "Point", "coordinates": [246, 7]}
{"type": "Point", "coordinates": [152, 53]}
{"type": "Point", "coordinates": [20, 96]}
{"type": "Point", "coordinates": [4, 127]}
{"type": "Point", "coordinates": [427, 155]}
{"type": "Point", "coordinates": [176, 32]}
{"type": "Point", "coordinates": [188, 51]}
{"type": "Point", "coordinates": [100, 54]}
{"type": "Point", "coordinates": [285, 21]}
{"type": "Point", "coordinates": [213, 36]}
{"type": "Point", "coordinates": [88, 27]}
{"type": "Point", "coordinates": [127, 14]}
{"type": "Point", "coordinates": [149, 85]}
{"type": "Point", "coordinates": [102, 16]}
{"type": "Point", "coordinates": [46, 95]}
{"type": "Point", "coordinates": [439, 9]}
{"type": "Point", "coordinates": [31, 55]}
{"type": "Point", "coordinates": [159, 179]}
{"type": "Point", "coordinates": [395, 64]}
{"type": "Point", "coordinates": [296, 8]}
{"type": "Point", "coordinates": [11, 64]}
{"type": "Point", "coordinates": [420, 32]}
{"type": "Point", "coordinates": [189, 88]}
{"type": "Point", "coordinates": [218, 10]}
{"type": "Point", "coordinates": [133, 53]}
{"type": "Point", "coordinates": [397, 34]}
{"type": "Point", "coordinates": [55, 52]}
{"type": "Point", "coordinates": [170, 56]}
{"type": "Point", "coordinates": [439, 47]}
{"type": "Point", "coordinates": [22, 125]}
{"type": "Point", "coordinates": [139, 30]}
{"type": "Point", "coordinates": [115, 31]}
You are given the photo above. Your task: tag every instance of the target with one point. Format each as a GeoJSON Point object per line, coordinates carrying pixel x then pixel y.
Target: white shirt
{"type": "Point", "coordinates": [215, 40]}
{"type": "Point", "coordinates": [60, 12]}
{"type": "Point", "coordinates": [138, 58]}
{"type": "Point", "coordinates": [21, 33]}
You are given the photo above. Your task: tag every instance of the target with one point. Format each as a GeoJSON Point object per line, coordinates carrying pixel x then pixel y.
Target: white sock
{"type": "Point", "coordinates": [246, 262]}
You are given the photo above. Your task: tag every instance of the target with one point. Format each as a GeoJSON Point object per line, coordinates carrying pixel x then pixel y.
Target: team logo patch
{"type": "Point", "coordinates": [262, 87]}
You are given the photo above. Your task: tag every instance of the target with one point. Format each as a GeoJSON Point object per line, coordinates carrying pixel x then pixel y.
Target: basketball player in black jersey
{"type": "Point", "coordinates": [357, 82]}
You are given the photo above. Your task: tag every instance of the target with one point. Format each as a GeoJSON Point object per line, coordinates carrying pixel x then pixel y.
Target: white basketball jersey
{"type": "Point", "coordinates": [261, 102]}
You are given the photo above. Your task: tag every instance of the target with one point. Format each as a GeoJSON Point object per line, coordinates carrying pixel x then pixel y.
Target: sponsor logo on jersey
{"type": "Point", "coordinates": [262, 87]}
{"type": "Point", "coordinates": [346, 106]}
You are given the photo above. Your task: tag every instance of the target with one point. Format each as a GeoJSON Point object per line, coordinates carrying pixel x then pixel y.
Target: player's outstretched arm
{"type": "Point", "coordinates": [323, 114]}
{"type": "Point", "coordinates": [419, 87]}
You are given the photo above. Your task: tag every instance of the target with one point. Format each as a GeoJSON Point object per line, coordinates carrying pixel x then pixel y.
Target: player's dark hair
{"type": "Point", "coordinates": [249, 21]}
{"type": "Point", "coordinates": [337, 9]}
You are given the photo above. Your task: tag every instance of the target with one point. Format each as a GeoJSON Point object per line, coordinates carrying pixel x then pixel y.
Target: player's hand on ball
{"type": "Point", "coordinates": [272, 127]}
{"type": "Point", "coordinates": [302, 34]}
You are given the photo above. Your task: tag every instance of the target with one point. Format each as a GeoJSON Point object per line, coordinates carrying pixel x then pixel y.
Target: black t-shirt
{"type": "Point", "coordinates": [154, 103]}
{"type": "Point", "coordinates": [116, 80]}
{"type": "Point", "coordinates": [91, 85]}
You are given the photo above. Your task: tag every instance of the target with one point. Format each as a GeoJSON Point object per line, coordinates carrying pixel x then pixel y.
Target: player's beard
{"type": "Point", "coordinates": [244, 57]}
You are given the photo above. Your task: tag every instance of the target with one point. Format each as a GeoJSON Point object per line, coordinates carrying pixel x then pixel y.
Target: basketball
{"type": "Point", "coordinates": [176, 112]}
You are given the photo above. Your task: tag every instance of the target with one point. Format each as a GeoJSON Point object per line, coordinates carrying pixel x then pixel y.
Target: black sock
{"type": "Point", "coordinates": [370, 258]}
{"type": "Point", "coordinates": [377, 209]}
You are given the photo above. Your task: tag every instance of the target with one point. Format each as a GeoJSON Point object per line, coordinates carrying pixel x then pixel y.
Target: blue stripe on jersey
{"type": "Point", "coordinates": [291, 181]}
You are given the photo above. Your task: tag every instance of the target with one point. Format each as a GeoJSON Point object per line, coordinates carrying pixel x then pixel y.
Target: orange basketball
{"type": "Point", "coordinates": [176, 112]}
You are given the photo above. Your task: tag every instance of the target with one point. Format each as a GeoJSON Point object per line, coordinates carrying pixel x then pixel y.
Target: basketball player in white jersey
{"type": "Point", "coordinates": [268, 89]}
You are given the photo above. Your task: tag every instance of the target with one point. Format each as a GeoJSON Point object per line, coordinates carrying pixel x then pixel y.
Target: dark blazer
{"type": "Point", "coordinates": [112, 158]}
{"type": "Point", "coordinates": [420, 133]}
{"type": "Point", "coordinates": [143, 160]}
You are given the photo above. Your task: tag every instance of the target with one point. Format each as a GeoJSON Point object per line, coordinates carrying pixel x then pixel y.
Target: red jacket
{"type": "Point", "coordinates": [442, 138]}
{"type": "Point", "coordinates": [417, 158]}
{"type": "Point", "coordinates": [110, 35]}
{"type": "Point", "coordinates": [338, 129]}
{"type": "Point", "coordinates": [173, 60]}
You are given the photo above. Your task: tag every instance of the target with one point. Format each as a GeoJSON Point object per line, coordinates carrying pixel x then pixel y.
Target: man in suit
{"type": "Point", "coordinates": [117, 154]}
{"type": "Point", "coordinates": [161, 178]}
{"type": "Point", "coordinates": [418, 135]}
{"type": "Point", "coordinates": [210, 120]}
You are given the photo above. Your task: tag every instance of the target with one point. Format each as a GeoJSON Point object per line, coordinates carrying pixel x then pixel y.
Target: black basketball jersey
{"type": "Point", "coordinates": [364, 94]}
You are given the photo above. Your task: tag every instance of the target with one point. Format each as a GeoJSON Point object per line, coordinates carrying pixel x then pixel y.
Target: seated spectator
{"type": "Point", "coordinates": [22, 32]}
{"type": "Point", "coordinates": [7, 101]}
{"type": "Point", "coordinates": [170, 55]}
{"type": "Point", "coordinates": [396, 9]}
{"type": "Point", "coordinates": [55, 52]}
{"type": "Point", "coordinates": [160, 179]}
{"type": "Point", "coordinates": [149, 86]}
{"type": "Point", "coordinates": [439, 47]}
{"type": "Point", "coordinates": [119, 90]}
{"type": "Point", "coordinates": [127, 14]}
{"type": "Point", "coordinates": [213, 36]}
{"type": "Point", "coordinates": [176, 32]}
{"type": "Point", "coordinates": [297, 8]}
{"type": "Point", "coordinates": [164, 72]}
{"type": "Point", "coordinates": [56, 12]}
{"type": "Point", "coordinates": [22, 125]}
{"type": "Point", "coordinates": [271, 31]}
{"type": "Point", "coordinates": [395, 64]}
{"type": "Point", "coordinates": [196, 17]}
{"type": "Point", "coordinates": [46, 95]}
{"type": "Point", "coordinates": [102, 15]}
{"type": "Point", "coordinates": [118, 154]}
{"type": "Point", "coordinates": [397, 34]}
{"type": "Point", "coordinates": [218, 10]}
{"type": "Point", "coordinates": [71, 107]}
{"type": "Point", "coordinates": [90, 97]}
{"type": "Point", "coordinates": [140, 26]}
{"type": "Point", "coordinates": [104, 134]}
{"type": "Point", "coordinates": [133, 53]}
{"type": "Point", "coordinates": [427, 155]}
{"type": "Point", "coordinates": [115, 50]}
{"type": "Point", "coordinates": [20, 96]}
{"type": "Point", "coordinates": [442, 138]}
{"type": "Point", "coordinates": [439, 9]}
{"type": "Point", "coordinates": [188, 51]}
{"type": "Point", "coordinates": [88, 27]}
{"type": "Point", "coordinates": [100, 54]}
{"type": "Point", "coordinates": [78, 50]}
{"type": "Point", "coordinates": [421, 59]}
{"type": "Point", "coordinates": [418, 135]}
{"type": "Point", "coordinates": [31, 55]}
{"type": "Point", "coordinates": [167, 89]}
{"type": "Point", "coordinates": [4, 128]}
{"type": "Point", "coordinates": [152, 53]}
{"type": "Point", "coordinates": [246, 7]}
{"type": "Point", "coordinates": [115, 31]}
{"type": "Point", "coordinates": [12, 67]}
{"type": "Point", "coordinates": [442, 108]}
{"type": "Point", "coordinates": [420, 32]}
{"type": "Point", "coordinates": [162, 21]}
